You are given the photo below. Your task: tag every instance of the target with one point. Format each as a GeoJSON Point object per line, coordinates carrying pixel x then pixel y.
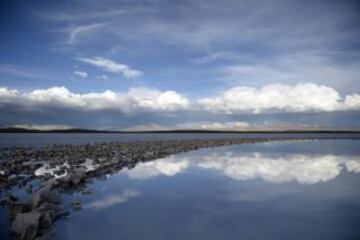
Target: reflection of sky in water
{"type": "Point", "coordinates": [299, 190]}
{"type": "Point", "coordinates": [291, 167]}
{"type": "Point", "coordinates": [114, 199]}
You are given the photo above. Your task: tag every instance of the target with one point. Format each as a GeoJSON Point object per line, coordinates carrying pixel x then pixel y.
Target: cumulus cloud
{"type": "Point", "coordinates": [302, 97]}
{"type": "Point", "coordinates": [80, 74]}
{"type": "Point", "coordinates": [274, 98]}
{"type": "Point", "coordinates": [353, 101]}
{"type": "Point", "coordinates": [137, 99]}
{"type": "Point", "coordinates": [112, 200]}
{"type": "Point", "coordinates": [112, 66]}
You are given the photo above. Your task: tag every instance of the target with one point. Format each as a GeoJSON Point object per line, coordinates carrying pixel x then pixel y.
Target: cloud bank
{"type": "Point", "coordinates": [136, 99]}
{"type": "Point", "coordinates": [303, 97]}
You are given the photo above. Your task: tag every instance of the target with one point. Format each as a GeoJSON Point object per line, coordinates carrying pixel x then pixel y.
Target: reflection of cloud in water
{"type": "Point", "coordinates": [169, 167]}
{"type": "Point", "coordinates": [114, 199]}
{"type": "Point", "coordinates": [301, 168]}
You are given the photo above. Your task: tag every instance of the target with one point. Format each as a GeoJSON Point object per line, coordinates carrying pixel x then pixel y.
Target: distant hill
{"type": "Point", "coordinates": [79, 130]}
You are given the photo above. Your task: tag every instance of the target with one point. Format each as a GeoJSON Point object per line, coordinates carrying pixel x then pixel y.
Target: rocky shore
{"type": "Point", "coordinates": [46, 173]}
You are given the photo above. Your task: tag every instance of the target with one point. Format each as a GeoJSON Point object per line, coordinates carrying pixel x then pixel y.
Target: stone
{"type": "Point", "coordinates": [55, 211]}
{"type": "Point", "coordinates": [26, 224]}
{"type": "Point", "coordinates": [77, 176]}
{"type": "Point", "coordinates": [76, 204]}
{"type": "Point", "coordinates": [29, 189]}
{"type": "Point", "coordinates": [8, 200]}
{"type": "Point", "coordinates": [45, 223]}
{"type": "Point", "coordinates": [45, 194]}
{"type": "Point", "coordinates": [87, 191]}
{"type": "Point", "coordinates": [17, 208]}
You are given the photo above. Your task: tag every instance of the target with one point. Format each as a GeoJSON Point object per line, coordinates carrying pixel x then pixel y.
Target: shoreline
{"type": "Point", "coordinates": [71, 167]}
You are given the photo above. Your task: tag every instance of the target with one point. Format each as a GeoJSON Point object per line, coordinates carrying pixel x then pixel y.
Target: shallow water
{"type": "Point", "coordinates": [274, 190]}
{"type": "Point", "coordinates": [284, 190]}
{"type": "Point", "coordinates": [42, 139]}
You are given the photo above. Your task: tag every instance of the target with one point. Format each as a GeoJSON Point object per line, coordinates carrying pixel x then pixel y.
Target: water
{"type": "Point", "coordinates": [275, 190]}
{"type": "Point", "coordinates": [42, 139]}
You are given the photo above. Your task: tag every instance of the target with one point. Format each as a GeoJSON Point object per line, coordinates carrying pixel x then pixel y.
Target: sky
{"type": "Point", "coordinates": [157, 64]}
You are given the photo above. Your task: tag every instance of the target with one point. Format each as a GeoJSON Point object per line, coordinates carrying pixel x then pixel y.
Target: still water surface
{"type": "Point", "coordinates": [42, 139]}
{"type": "Point", "coordinates": [282, 190]}
{"type": "Point", "coordinates": [276, 190]}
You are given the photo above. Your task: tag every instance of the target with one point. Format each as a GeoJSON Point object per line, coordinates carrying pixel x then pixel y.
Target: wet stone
{"type": "Point", "coordinates": [76, 204]}
{"type": "Point", "coordinates": [26, 224]}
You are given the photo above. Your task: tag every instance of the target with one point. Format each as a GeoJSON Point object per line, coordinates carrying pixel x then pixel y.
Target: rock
{"type": "Point", "coordinates": [26, 224]}
{"type": "Point", "coordinates": [47, 236]}
{"type": "Point", "coordinates": [66, 179]}
{"type": "Point", "coordinates": [45, 194]}
{"type": "Point", "coordinates": [8, 200]}
{"type": "Point", "coordinates": [55, 211]}
{"type": "Point", "coordinates": [77, 176]}
{"type": "Point", "coordinates": [88, 191]}
{"type": "Point", "coordinates": [29, 189]}
{"type": "Point", "coordinates": [45, 223]}
{"type": "Point", "coordinates": [17, 208]}
{"type": "Point", "coordinates": [76, 204]}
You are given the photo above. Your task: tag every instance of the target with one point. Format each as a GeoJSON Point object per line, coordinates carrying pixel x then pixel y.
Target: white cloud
{"type": "Point", "coordinates": [137, 99]}
{"type": "Point", "coordinates": [114, 199]}
{"type": "Point", "coordinates": [80, 74]}
{"type": "Point", "coordinates": [43, 127]}
{"type": "Point", "coordinates": [225, 125]}
{"type": "Point", "coordinates": [302, 97]}
{"type": "Point", "coordinates": [353, 166]}
{"type": "Point", "coordinates": [146, 127]}
{"type": "Point", "coordinates": [113, 67]}
{"type": "Point", "coordinates": [75, 32]}
{"type": "Point", "coordinates": [234, 125]}
{"type": "Point", "coordinates": [153, 99]}
{"type": "Point", "coordinates": [353, 101]}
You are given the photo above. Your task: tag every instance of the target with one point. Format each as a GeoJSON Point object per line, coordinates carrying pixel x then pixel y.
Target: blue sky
{"type": "Point", "coordinates": [180, 64]}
